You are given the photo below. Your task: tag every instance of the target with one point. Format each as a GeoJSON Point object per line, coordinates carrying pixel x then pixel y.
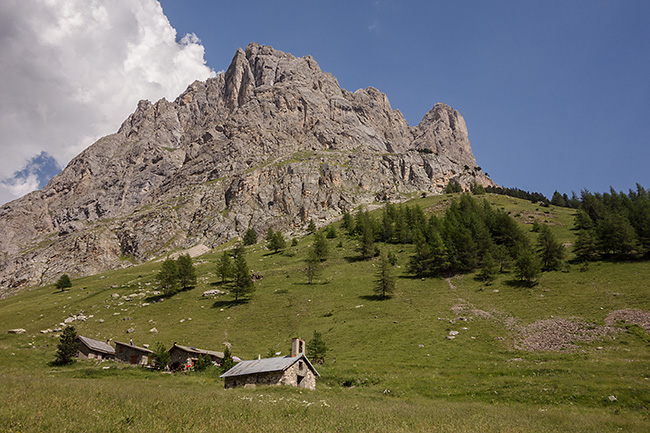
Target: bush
{"type": "Point", "coordinates": [160, 357]}
{"type": "Point", "coordinates": [203, 363]}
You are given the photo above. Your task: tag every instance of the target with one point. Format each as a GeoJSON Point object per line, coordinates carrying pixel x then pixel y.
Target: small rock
{"type": "Point", "coordinates": [420, 345]}
{"type": "Point", "coordinates": [450, 337]}
{"type": "Point", "coordinates": [130, 330]}
{"type": "Point", "coordinates": [153, 330]}
{"type": "Point", "coordinates": [69, 320]}
{"type": "Point", "coordinates": [495, 291]}
{"type": "Point", "coordinates": [453, 332]}
{"type": "Point", "coordinates": [359, 306]}
{"type": "Point", "coordinates": [16, 331]}
{"type": "Point", "coordinates": [212, 292]}
{"type": "Point", "coordinates": [46, 331]}
{"type": "Point", "coordinates": [612, 398]}
{"type": "Point", "coordinates": [101, 320]}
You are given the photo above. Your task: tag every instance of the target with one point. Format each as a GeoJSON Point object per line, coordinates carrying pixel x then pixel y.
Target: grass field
{"type": "Point", "coordinates": [390, 365]}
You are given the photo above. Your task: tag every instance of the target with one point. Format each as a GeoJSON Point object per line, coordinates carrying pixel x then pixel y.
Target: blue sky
{"type": "Point", "coordinates": [555, 94]}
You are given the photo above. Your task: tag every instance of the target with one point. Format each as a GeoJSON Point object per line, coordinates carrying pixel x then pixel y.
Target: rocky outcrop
{"type": "Point", "coordinates": [272, 142]}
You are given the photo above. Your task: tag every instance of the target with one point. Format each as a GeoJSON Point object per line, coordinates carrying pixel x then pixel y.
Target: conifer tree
{"type": "Point", "coordinates": [160, 357]}
{"type": "Point", "coordinates": [367, 242]}
{"type": "Point", "coordinates": [250, 238]}
{"type": "Point", "coordinates": [313, 265]}
{"type": "Point", "coordinates": [316, 348]}
{"type": "Point", "coordinates": [321, 247]}
{"type": "Point", "coordinates": [311, 227]}
{"type": "Point", "coordinates": [275, 241]}
{"type": "Point", "coordinates": [63, 282]}
{"type": "Point", "coordinates": [528, 267]}
{"type": "Point", "coordinates": [168, 277]}
{"type": "Point", "coordinates": [550, 251]}
{"type": "Point", "coordinates": [227, 362]}
{"type": "Point", "coordinates": [385, 280]}
{"type": "Point", "coordinates": [186, 271]}
{"type": "Point", "coordinates": [585, 247]}
{"type": "Point", "coordinates": [68, 346]}
{"type": "Point", "coordinates": [224, 267]}
{"type": "Point", "coordinates": [489, 269]}
{"type": "Point", "coordinates": [243, 282]}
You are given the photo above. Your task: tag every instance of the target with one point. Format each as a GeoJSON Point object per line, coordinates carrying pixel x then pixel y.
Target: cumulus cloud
{"type": "Point", "coordinates": [73, 70]}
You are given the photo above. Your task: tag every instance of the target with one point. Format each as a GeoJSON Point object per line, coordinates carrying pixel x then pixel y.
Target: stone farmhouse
{"type": "Point", "coordinates": [183, 357]}
{"type": "Point", "coordinates": [294, 370]}
{"type": "Point", "coordinates": [132, 354]}
{"type": "Point", "coordinates": [94, 349]}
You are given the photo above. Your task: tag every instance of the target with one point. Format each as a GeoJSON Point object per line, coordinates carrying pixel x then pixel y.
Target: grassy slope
{"type": "Point", "coordinates": [407, 376]}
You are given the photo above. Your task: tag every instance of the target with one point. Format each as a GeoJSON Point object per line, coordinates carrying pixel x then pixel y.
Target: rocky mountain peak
{"type": "Point", "coordinates": [271, 143]}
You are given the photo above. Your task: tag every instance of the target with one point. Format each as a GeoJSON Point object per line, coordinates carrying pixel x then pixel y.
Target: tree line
{"type": "Point", "coordinates": [613, 225]}
{"type": "Point", "coordinates": [471, 235]}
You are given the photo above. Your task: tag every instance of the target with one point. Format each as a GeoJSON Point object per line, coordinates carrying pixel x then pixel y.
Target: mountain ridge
{"type": "Point", "coordinates": [271, 143]}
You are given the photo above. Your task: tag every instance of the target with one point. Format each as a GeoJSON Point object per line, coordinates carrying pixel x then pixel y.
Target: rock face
{"type": "Point", "coordinates": [272, 142]}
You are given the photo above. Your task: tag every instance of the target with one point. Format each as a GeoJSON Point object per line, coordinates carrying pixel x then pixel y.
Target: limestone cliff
{"type": "Point", "coordinates": [272, 142]}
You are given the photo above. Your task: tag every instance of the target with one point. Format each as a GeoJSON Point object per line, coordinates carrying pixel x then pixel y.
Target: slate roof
{"type": "Point", "coordinates": [196, 351]}
{"type": "Point", "coordinates": [138, 348]}
{"type": "Point", "coordinates": [96, 345]}
{"type": "Point", "coordinates": [266, 366]}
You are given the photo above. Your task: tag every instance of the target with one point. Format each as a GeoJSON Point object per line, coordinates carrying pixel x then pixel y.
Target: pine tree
{"type": "Point", "coordinates": [316, 348]}
{"type": "Point", "coordinates": [186, 271]}
{"type": "Point", "coordinates": [168, 277]}
{"type": "Point", "coordinates": [313, 266]}
{"type": "Point", "coordinates": [550, 251]}
{"type": "Point", "coordinates": [227, 362]}
{"type": "Point", "coordinates": [68, 346]}
{"type": "Point", "coordinates": [160, 357]}
{"type": "Point", "coordinates": [321, 248]}
{"type": "Point", "coordinates": [385, 280]}
{"type": "Point", "coordinates": [243, 282]}
{"type": "Point", "coordinates": [311, 227]}
{"type": "Point", "coordinates": [347, 223]}
{"type": "Point", "coordinates": [528, 267]}
{"type": "Point", "coordinates": [558, 199]}
{"type": "Point", "coordinates": [224, 267]}
{"type": "Point", "coordinates": [489, 269]}
{"type": "Point", "coordinates": [275, 241]}
{"type": "Point", "coordinates": [585, 247]}
{"type": "Point", "coordinates": [63, 282]}
{"type": "Point", "coordinates": [250, 238]}
{"type": "Point", "coordinates": [367, 242]}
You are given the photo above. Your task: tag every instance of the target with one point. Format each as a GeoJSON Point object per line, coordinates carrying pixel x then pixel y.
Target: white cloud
{"type": "Point", "coordinates": [73, 70]}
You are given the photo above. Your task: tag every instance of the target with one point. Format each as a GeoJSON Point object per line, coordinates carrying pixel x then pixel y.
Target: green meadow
{"type": "Point", "coordinates": [391, 364]}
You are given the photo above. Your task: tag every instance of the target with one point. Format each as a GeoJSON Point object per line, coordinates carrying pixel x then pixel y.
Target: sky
{"type": "Point", "coordinates": [555, 93]}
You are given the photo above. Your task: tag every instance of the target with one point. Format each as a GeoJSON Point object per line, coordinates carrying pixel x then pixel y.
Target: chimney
{"type": "Point", "coordinates": [297, 347]}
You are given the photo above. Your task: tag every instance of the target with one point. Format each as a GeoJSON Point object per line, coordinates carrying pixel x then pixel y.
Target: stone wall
{"type": "Point", "coordinates": [131, 355]}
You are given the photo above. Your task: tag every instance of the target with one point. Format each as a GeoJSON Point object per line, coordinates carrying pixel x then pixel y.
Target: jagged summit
{"type": "Point", "coordinates": [272, 142]}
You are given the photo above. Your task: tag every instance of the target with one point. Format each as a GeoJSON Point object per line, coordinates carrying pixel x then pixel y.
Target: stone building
{"type": "Point", "coordinates": [294, 370]}
{"type": "Point", "coordinates": [183, 357]}
{"type": "Point", "coordinates": [94, 349]}
{"type": "Point", "coordinates": [132, 354]}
